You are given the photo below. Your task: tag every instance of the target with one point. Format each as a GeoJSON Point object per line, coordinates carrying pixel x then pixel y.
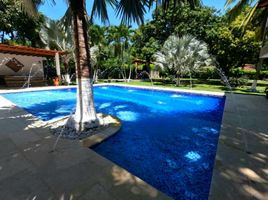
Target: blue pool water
{"type": "Point", "coordinates": [168, 139]}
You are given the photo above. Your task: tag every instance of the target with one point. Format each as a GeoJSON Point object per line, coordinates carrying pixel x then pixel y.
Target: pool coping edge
{"type": "Point", "coordinates": [188, 91]}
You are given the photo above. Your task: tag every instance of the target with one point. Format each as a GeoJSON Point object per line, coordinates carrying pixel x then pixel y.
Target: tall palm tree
{"type": "Point", "coordinates": [118, 37]}
{"type": "Point", "coordinates": [129, 10]}
{"type": "Point", "coordinates": [257, 13]}
{"type": "Point", "coordinates": [56, 36]}
{"type": "Point", "coordinates": [85, 115]}
{"type": "Point", "coordinates": [183, 55]}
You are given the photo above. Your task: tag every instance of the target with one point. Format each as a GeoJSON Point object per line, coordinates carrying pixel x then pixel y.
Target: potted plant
{"type": "Point", "coordinates": [56, 81]}
{"type": "Point", "coordinates": [266, 92]}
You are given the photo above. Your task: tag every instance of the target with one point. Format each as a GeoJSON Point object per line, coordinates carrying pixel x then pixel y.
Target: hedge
{"type": "Point", "coordinates": [211, 73]}
{"type": "Point", "coordinates": [249, 73]}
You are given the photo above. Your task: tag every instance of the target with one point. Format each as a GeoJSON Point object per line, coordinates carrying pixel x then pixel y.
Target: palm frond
{"type": "Point", "coordinates": [65, 24]}
{"type": "Point", "coordinates": [183, 54]}
{"type": "Point", "coordinates": [131, 10]}
{"type": "Point", "coordinates": [261, 24]}
{"type": "Point", "coordinates": [229, 2]}
{"type": "Point", "coordinates": [249, 17]}
{"type": "Point", "coordinates": [174, 3]}
{"type": "Point", "coordinates": [99, 9]}
{"type": "Point", "coordinates": [30, 6]}
{"type": "Point", "coordinates": [237, 9]}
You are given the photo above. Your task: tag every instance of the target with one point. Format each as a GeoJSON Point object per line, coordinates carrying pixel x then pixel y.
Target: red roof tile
{"type": "Point", "coordinates": [23, 50]}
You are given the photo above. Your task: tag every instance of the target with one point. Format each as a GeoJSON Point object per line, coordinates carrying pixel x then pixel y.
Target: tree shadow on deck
{"type": "Point", "coordinates": [241, 170]}
{"type": "Point", "coordinates": [30, 170]}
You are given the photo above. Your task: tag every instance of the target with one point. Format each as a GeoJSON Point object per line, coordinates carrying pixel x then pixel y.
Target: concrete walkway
{"type": "Point", "coordinates": [29, 170]}
{"type": "Point", "coordinates": [241, 165]}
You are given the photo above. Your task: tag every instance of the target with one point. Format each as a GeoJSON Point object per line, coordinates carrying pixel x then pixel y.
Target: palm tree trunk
{"type": "Point", "coordinates": [85, 115]}
{"type": "Point", "coordinates": [178, 82]}
{"type": "Point", "coordinates": [258, 70]}
{"type": "Point", "coordinates": [129, 75]}
{"type": "Point", "coordinates": [136, 70]}
{"type": "Point", "coordinates": [95, 76]}
{"type": "Point", "coordinates": [191, 82]}
{"type": "Point", "coordinates": [259, 65]}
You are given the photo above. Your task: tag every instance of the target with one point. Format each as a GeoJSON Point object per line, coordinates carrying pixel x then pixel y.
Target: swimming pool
{"type": "Point", "coordinates": [168, 139]}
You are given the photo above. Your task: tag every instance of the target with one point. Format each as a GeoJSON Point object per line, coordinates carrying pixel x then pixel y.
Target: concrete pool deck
{"type": "Point", "coordinates": [241, 164]}
{"type": "Point", "coordinates": [29, 170]}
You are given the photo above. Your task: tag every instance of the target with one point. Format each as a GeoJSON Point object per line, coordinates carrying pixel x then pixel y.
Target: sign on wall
{"type": "Point", "coordinates": [14, 64]}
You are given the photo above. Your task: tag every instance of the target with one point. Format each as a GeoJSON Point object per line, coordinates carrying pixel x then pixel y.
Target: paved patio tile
{"type": "Point", "coordinates": [227, 189]}
{"type": "Point", "coordinates": [12, 164]}
{"type": "Point", "coordinates": [7, 147]}
{"type": "Point", "coordinates": [24, 185]}
{"type": "Point", "coordinates": [71, 180]}
{"type": "Point", "coordinates": [241, 169]}
{"type": "Point", "coordinates": [96, 191]}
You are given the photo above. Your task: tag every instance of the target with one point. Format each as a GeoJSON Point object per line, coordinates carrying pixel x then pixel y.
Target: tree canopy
{"type": "Point", "coordinates": [17, 26]}
{"type": "Point", "coordinates": [231, 46]}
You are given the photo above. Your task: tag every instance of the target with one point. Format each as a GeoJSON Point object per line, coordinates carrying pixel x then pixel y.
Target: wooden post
{"type": "Point", "coordinates": [57, 62]}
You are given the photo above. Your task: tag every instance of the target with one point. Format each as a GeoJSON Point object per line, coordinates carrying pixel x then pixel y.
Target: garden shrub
{"type": "Point", "coordinates": [238, 72]}
{"type": "Point", "coordinates": [152, 66]}
{"type": "Point", "coordinates": [206, 73]}
{"type": "Point", "coordinates": [238, 81]}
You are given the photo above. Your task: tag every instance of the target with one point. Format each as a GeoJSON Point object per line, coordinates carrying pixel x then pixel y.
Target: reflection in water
{"type": "Point", "coordinates": [193, 156]}
{"type": "Point", "coordinates": [104, 105]}
{"type": "Point", "coordinates": [175, 96]}
{"type": "Point", "coordinates": [119, 107]}
{"type": "Point", "coordinates": [161, 102]}
{"type": "Point", "coordinates": [127, 116]}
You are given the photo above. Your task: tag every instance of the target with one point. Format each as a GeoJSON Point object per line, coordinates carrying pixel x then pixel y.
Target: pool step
{"type": "Point", "coordinates": [19, 81]}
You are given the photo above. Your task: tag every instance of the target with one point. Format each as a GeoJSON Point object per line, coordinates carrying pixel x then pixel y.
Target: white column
{"type": "Point", "coordinates": [57, 62]}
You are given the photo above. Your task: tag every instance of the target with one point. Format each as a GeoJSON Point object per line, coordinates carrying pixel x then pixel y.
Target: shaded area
{"type": "Point", "coordinates": [28, 169]}
{"type": "Point", "coordinates": [241, 170]}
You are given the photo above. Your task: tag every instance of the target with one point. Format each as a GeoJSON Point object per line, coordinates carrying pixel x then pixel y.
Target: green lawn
{"type": "Point", "coordinates": [213, 85]}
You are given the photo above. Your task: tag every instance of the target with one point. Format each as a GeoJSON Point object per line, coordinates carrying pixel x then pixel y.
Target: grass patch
{"type": "Point", "coordinates": [213, 85]}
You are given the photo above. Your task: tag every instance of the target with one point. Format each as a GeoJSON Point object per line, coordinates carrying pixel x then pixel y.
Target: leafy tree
{"type": "Point", "coordinates": [97, 36]}
{"type": "Point", "coordinates": [16, 26]}
{"type": "Point", "coordinates": [118, 38]}
{"type": "Point", "coordinates": [144, 49]}
{"type": "Point", "coordinates": [55, 37]}
{"type": "Point", "coordinates": [180, 21]}
{"type": "Point", "coordinates": [183, 55]}
{"type": "Point", "coordinates": [230, 46]}
{"type": "Point", "coordinates": [256, 13]}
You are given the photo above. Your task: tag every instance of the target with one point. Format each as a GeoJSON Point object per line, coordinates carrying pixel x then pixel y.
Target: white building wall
{"type": "Point", "coordinates": [36, 63]}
